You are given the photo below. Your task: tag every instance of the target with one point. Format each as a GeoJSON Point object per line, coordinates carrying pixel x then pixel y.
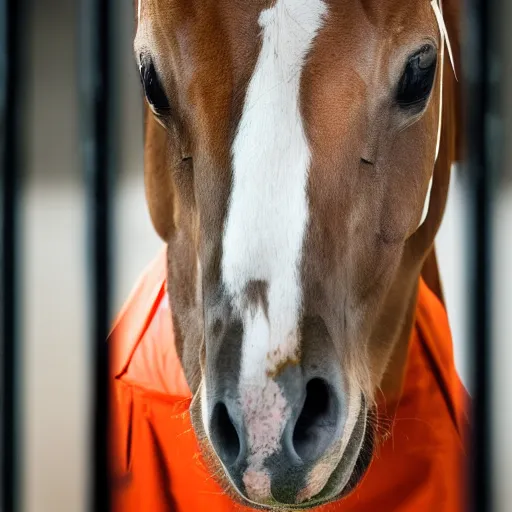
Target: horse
{"type": "Point", "coordinates": [297, 163]}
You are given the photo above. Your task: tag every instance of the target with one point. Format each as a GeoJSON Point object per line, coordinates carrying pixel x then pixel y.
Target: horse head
{"type": "Point", "coordinates": [293, 148]}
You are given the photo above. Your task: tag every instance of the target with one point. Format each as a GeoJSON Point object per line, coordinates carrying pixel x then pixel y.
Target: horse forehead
{"type": "Point", "coordinates": [234, 19]}
{"type": "Point", "coordinates": [228, 33]}
{"type": "Point", "coordinates": [210, 49]}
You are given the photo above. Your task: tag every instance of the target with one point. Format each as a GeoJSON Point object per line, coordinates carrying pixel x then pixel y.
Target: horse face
{"type": "Point", "coordinates": [289, 167]}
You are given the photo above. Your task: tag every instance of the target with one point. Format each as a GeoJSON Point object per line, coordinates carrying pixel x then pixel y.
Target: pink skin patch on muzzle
{"type": "Point", "coordinates": [257, 485]}
{"type": "Point", "coordinates": [266, 413]}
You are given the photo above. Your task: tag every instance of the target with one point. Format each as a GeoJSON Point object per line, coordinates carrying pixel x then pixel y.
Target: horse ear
{"type": "Point", "coordinates": [158, 162]}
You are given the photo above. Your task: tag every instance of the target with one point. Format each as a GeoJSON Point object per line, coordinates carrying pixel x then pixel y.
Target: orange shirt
{"type": "Point", "coordinates": [156, 461]}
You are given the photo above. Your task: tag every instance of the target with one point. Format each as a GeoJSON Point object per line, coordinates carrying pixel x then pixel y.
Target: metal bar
{"type": "Point", "coordinates": [98, 114]}
{"type": "Point", "coordinates": [10, 133]}
{"type": "Point", "coordinates": [480, 59]}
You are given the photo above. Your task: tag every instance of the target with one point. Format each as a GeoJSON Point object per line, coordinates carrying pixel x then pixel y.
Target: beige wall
{"type": "Point", "coordinates": [56, 353]}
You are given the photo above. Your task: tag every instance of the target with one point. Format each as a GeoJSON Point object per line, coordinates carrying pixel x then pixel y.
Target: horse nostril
{"type": "Point", "coordinates": [224, 435]}
{"type": "Point", "coordinates": [316, 425]}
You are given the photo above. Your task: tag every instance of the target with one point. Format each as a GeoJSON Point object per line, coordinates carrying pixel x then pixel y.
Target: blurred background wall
{"type": "Point", "coordinates": [55, 324]}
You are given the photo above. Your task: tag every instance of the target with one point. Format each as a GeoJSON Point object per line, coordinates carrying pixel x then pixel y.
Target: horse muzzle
{"type": "Point", "coordinates": [292, 441]}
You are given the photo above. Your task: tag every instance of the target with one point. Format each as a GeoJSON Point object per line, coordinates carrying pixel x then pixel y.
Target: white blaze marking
{"type": "Point", "coordinates": [268, 209]}
{"type": "Point", "coordinates": [268, 213]}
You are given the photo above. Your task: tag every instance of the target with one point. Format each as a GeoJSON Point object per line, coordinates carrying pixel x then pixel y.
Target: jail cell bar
{"type": "Point", "coordinates": [98, 115]}
{"type": "Point", "coordinates": [10, 167]}
{"type": "Point", "coordinates": [481, 58]}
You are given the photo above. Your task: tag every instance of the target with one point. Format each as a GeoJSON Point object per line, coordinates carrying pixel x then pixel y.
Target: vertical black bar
{"type": "Point", "coordinates": [480, 77]}
{"type": "Point", "coordinates": [10, 132]}
{"type": "Point", "coordinates": [97, 75]}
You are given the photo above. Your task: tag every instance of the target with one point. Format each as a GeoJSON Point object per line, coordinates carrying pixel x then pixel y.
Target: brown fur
{"type": "Point", "coordinates": [207, 53]}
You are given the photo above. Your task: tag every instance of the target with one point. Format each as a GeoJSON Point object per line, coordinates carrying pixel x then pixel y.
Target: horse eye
{"type": "Point", "coordinates": [417, 79]}
{"type": "Point", "coordinates": [153, 89]}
